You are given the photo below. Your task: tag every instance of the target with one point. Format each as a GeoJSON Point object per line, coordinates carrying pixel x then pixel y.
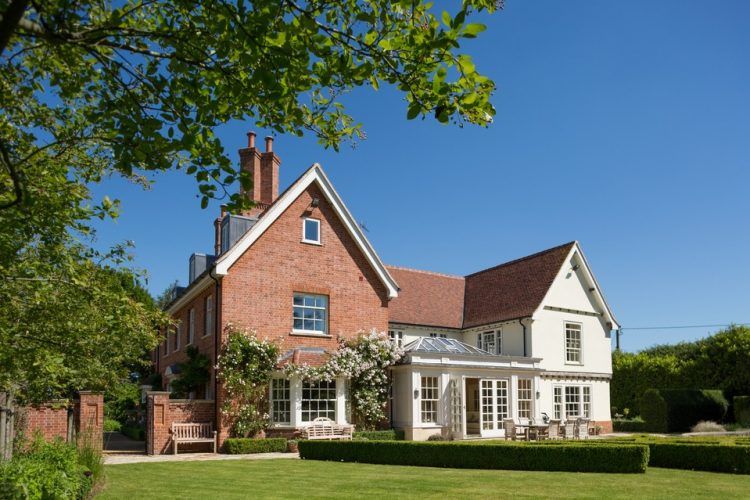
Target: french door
{"type": "Point", "coordinates": [493, 406]}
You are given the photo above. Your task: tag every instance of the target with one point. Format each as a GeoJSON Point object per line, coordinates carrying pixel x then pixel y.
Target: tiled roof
{"type": "Point", "coordinates": [514, 289]}
{"type": "Point", "coordinates": [426, 298]}
{"type": "Point", "coordinates": [310, 356]}
{"type": "Point", "coordinates": [508, 291]}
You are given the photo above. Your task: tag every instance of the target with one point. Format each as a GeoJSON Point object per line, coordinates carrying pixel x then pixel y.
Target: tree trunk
{"type": "Point", "coordinates": [9, 21]}
{"type": "Point", "coordinates": [7, 410]}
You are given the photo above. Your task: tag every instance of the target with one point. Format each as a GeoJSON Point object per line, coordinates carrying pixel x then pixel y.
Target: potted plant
{"type": "Point", "coordinates": [291, 446]}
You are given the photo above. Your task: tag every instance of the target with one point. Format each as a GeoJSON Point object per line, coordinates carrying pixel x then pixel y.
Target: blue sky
{"type": "Point", "coordinates": [623, 125]}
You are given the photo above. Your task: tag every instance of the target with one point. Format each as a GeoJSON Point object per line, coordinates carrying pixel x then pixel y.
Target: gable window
{"type": "Point", "coordinates": [191, 326]}
{"type": "Point", "coordinates": [280, 401]}
{"type": "Point", "coordinates": [208, 315]}
{"type": "Point", "coordinates": [310, 313]}
{"type": "Point", "coordinates": [311, 231]}
{"type": "Point", "coordinates": [396, 337]}
{"type": "Point", "coordinates": [430, 396]}
{"type": "Point", "coordinates": [524, 398]}
{"type": "Point", "coordinates": [318, 400]}
{"type": "Point", "coordinates": [573, 343]}
{"type": "Point", "coordinates": [439, 335]}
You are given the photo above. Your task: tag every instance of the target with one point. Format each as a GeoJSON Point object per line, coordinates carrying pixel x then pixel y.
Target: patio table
{"type": "Point", "coordinates": [541, 430]}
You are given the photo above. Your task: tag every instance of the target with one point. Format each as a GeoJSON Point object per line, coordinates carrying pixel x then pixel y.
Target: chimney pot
{"type": "Point", "coordinates": [251, 139]}
{"type": "Point", "coordinates": [269, 144]}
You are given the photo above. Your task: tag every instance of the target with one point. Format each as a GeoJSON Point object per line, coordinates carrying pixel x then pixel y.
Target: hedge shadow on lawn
{"type": "Point", "coordinates": [568, 457]}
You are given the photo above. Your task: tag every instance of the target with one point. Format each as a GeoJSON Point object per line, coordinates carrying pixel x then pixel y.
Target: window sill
{"type": "Point", "coordinates": [311, 242]}
{"type": "Point", "coordinates": [310, 334]}
{"type": "Point", "coordinates": [574, 363]}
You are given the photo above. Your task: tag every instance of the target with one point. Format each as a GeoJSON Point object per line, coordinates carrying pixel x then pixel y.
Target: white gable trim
{"type": "Point", "coordinates": [313, 174]}
{"type": "Point", "coordinates": [589, 276]}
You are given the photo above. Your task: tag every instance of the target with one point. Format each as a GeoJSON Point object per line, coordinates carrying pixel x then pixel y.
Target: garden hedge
{"type": "Point", "coordinates": [742, 410]}
{"type": "Point", "coordinates": [634, 425]}
{"type": "Point", "coordinates": [241, 446]}
{"type": "Point", "coordinates": [716, 453]}
{"type": "Point", "coordinates": [577, 457]}
{"type": "Point", "coordinates": [389, 435]}
{"type": "Point", "coordinates": [677, 410]}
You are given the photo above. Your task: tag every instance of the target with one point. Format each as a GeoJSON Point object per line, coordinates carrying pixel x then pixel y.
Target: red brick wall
{"type": "Point", "coordinates": [203, 340]}
{"type": "Point", "coordinates": [90, 417]}
{"type": "Point", "coordinates": [259, 288]}
{"type": "Point", "coordinates": [257, 293]}
{"type": "Point", "coordinates": [50, 420]}
{"type": "Point", "coordinates": [162, 412]}
{"type": "Point", "coordinates": [606, 426]}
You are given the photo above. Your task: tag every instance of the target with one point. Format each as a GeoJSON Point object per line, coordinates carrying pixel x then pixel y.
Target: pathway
{"type": "Point", "coordinates": [114, 459]}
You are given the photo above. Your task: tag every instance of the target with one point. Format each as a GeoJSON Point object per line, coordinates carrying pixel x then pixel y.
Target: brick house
{"type": "Point", "coordinates": [516, 340]}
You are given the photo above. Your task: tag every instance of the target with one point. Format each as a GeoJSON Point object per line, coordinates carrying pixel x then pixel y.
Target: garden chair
{"type": "Point", "coordinates": [553, 431]}
{"type": "Point", "coordinates": [569, 429]}
{"type": "Point", "coordinates": [582, 428]}
{"type": "Point", "coordinates": [511, 430]}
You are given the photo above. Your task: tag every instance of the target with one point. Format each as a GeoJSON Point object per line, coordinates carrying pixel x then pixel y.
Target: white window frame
{"type": "Point", "coordinates": [303, 330]}
{"type": "Point", "coordinates": [497, 341]}
{"type": "Point", "coordinates": [525, 399]}
{"type": "Point", "coordinates": [396, 337]}
{"type": "Point", "coordinates": [191, 326]}
{"type": "Point", "coordinates": [583, 394]}
{"type": "Point", "coordinates": [305, 220]}
{"type": "Point", "coordinates": [313, 414]}
{"type": "Point", "coordinates": [178, 337]}
{"type": "Point", "coordinates": [429, 399]}
{"type": "Point", "coordinates": [208, 319]}
{"type": "Point", "coordinates": [277, 403]}
{"type": "Point", "coordinates": [577, 327]}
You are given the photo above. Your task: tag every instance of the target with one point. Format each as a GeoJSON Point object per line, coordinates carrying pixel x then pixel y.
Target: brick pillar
{"type": "Point", "coordinates": [158, 423]}
{"type": "Point", "coordinates": [91, 418]}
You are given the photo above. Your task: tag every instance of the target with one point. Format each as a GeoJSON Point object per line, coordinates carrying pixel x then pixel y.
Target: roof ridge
{"type": "Point", "coordinates": [521, 259]}
{"type": "Point", "coordinates": [434, 273]}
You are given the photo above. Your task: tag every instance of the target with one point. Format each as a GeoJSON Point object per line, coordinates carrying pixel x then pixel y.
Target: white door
{"type": "Point", "coordinates": [493, 406]}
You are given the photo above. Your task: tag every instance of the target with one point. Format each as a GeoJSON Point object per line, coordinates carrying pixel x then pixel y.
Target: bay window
{"type": "Point", "coordinates": [280, 401]}
{"type": "Point", "coordinates": [430, 398]}
{"type": "Point", "coordinates": [318, 400]}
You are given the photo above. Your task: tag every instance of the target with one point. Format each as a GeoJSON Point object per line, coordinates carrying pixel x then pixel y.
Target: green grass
{"type": "Point", "coordinates": [312, 479]}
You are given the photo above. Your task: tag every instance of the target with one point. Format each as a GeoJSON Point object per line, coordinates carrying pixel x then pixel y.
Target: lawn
{"type": "Point", "coordinates": [312, 479]}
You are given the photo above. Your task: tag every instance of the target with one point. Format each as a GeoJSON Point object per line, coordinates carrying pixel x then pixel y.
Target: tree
{"type": "Point", "coordinates": [138, 86]}
{"type": "Point", "coordinates": [194, 373]}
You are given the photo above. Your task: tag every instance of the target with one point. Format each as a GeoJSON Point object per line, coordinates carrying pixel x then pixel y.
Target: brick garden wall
{"type": "Point", "coordinates": [162, 412]}
{"type": "Point", "coordinates": [51, 419]}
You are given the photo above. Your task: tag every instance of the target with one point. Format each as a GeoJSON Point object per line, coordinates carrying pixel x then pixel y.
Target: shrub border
{"type": "Point", "coordinates": [577, 457]}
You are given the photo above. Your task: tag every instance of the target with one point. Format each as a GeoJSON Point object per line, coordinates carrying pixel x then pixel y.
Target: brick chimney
{"type": "Point", "coordinates": [263, 169]}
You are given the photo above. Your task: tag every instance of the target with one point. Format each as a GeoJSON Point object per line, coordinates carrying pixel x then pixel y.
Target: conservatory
{"type": "Point", "coordinates": [447, 387]}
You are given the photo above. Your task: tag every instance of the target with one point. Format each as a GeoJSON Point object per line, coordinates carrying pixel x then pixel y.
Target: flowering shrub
{"type": "Point", "coordinates": [245, 365]}
{"type": "Point", "coordinates": [364, 361]}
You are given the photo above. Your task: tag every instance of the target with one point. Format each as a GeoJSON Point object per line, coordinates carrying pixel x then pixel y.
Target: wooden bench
{"type": "Point", "coordinates": [192, 433]}
{"type": "Point", "coordinates": [325, 428]}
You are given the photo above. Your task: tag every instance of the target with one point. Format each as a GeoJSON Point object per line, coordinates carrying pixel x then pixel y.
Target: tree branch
{"type": "Point", "coordinates": [9, 21]}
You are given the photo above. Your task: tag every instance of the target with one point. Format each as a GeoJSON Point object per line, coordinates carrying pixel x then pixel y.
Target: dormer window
{"type": "Point", "coordinates": [311, 231]}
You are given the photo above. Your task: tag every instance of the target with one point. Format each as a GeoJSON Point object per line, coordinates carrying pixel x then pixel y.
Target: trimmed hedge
{"type": "Point", "coordinates": [241, 446]}
{"type": "Point", "coordinates": [699, 456]}
{"type": "Point", "coordinates": [715, 454]}
{"type": "Point", "coordinates": [742, 410]}
{"type": "Point", "coordinates": [677, 410]}
{"type": "Point", "coordinates": [634, 425]}
{"type": "Point", "coordinates": [389, 435]}
{"type": "Point", "coordinates": [578, 457]}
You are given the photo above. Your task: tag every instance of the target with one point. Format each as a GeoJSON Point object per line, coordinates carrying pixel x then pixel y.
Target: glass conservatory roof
{"type": "Point", "coordinates": [443, 345]}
